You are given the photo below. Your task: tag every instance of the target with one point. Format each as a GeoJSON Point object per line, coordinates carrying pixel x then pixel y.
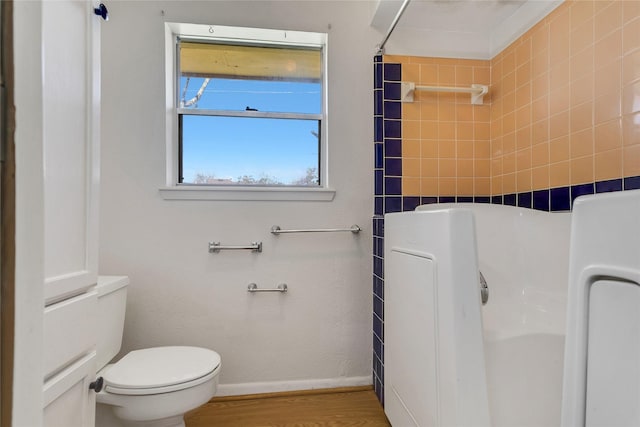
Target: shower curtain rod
{"type": "Point", "coordinates": [405, 3]}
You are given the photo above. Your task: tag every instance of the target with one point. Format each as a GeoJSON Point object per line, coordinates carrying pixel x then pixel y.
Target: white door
{"type": "Point", "coordinates": [57, 50]}
{"type": "Point", "coordinates": [70, 155]}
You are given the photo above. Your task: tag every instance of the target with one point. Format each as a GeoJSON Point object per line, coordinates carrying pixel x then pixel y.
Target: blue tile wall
{"type": "Point", "coordinates": [378, 206]}
{"type": "Point", "coordinates": [392, 72]}
{"type": "Point", "coordinates": [632, 183]}
{"type": "Point", "coordinates": [392, 204]}
{"type": "Point", "coordinates": [377, 76]}
{"type": "Point", "coordinates": [549, 200]}
{"type": "Point", "coordinates": [392, 128]}
{"type": "Point", "coordinates": [392, 90]}
{"type": "Point", "coordinates": [392, 185]}
{"type": "Point", "coordinates": [428, 200]}
{"type": "Point", "coordinates": [446, 199]}
{"type": "Point", "coordinates": [541, 200]}
{"type": "Point", "coordinates": [560, 199]}
{"type": "Point", "coordinates": [525, 200]}
{"type": "Point", "coordinates": [609, 186]}
{"type": "Point", "coordinates": [392, 110]}
{"type": "Point", "coordinates": [387, 191]}
{"type": "Point", "coordinates": [378, 266]}
{"type": "Point", "coordinates": [378, 129]}
{"type": "Point", "coordinates": [410, 203]}
{"type": "Point", "coordinates": [378, 103]}
{"type": "Point", "coordinates": [378, 182]}
{"type": "Point", "coordinates": [381, 151]}
{"type": "Point", "coordinates": [481, 199]}
{"type": "Point", "coordinates": [378, 304]}
{"type": "Point", "coordinates": [393, 167]}
{"type": "Point", "coordinates": [581, 190]}
{"type": "Point", "coordinates": [378, 157]}
{"type": "Point", "coordinates": [378, 288]}
{"type": "Point", "coordinates": [393, 147]}
{"type": "Point", "coordinates": [509, 199]}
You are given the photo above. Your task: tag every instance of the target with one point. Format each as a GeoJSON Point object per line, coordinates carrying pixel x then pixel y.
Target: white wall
{"type": "Point", "coordinates": [181, 294]}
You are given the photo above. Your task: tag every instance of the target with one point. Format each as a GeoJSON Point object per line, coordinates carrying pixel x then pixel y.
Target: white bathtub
{"type": "Point", "coordinates": [515, 342]}
{"type": "Point", "coordinates": [524, 380]}
{"type": "Point", "coordinates": [524, 256]}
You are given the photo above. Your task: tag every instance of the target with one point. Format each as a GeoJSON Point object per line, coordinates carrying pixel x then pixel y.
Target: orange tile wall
{"type": "Point", "coordinates": [445, 139]}
{"type": "Point", "coordinates": [563, 109]}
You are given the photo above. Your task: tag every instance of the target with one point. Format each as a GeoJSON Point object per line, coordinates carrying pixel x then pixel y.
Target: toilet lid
{"type": "Point", "coordinates": [161, 367]}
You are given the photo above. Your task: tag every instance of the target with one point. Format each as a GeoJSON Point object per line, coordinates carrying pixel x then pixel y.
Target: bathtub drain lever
{"type": "Point", "coordinates": [484, 289]}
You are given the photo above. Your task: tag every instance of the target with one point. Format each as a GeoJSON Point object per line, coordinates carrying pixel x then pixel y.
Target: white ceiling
{"type": "Point", "coordinates": [474, 16]}
{"type": "Point", "coordinates": [457, 28]}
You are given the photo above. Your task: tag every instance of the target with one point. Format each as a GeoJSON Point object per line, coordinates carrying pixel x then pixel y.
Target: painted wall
{"type": "Point", "coordinates": [182, 295]}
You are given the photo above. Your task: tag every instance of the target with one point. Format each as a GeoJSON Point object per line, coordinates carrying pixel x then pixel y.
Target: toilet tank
{"type": "Point", "coordinates": [112, 302]}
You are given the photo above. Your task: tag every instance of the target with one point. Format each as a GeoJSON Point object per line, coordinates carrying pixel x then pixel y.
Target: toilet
{"type": "Point", "coordinates": [152, 387]}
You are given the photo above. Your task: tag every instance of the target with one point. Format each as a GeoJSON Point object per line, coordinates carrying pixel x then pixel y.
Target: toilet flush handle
{"type": "Point", "coordinates": [97, 385]}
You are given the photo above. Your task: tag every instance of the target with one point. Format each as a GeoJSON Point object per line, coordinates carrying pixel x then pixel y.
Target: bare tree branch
{"type": "Point", "coordinates": [195, 99]}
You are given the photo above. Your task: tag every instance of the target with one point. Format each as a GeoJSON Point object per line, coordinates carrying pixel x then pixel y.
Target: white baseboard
{"type": "Point", "coordinates": [293, 385]}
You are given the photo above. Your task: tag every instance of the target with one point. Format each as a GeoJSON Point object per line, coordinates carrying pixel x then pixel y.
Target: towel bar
{"type": "Point", "coordinates": [215, 247]}
{"type": "Point", "coordinates": [277, 230]}
{"type": "Point", "coordinates": [252, 287]}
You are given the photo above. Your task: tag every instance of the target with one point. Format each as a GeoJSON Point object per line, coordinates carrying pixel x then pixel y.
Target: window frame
{"type": "Point", "coordinates": [197, 32]}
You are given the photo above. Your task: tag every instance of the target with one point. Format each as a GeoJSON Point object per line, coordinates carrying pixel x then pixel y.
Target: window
{"type": "Point", "coordinates": [248, 108]}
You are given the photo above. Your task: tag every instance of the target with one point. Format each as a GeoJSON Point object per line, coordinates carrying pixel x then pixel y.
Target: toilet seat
{"type": "Point", "coordinates": [161, 370]}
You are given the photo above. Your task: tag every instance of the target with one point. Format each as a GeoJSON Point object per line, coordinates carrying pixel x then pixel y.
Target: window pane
{"type": "Point", "coordinates": [260, 95]}
{"type": "Point", "coordinates": [242, 150]}
{"type": "Point", "coordinates": [239, 77]}
{"type": "Point", "coordinates": [254, 62]}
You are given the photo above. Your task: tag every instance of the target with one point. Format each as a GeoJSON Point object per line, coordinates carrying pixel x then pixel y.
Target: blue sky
{"type": "Point", "coordinates": [228, 147]}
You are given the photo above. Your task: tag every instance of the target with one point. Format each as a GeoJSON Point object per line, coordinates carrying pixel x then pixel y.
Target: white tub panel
{"type": "Point", "coordinates": [433, 352]}
{"type": "Point", "coordinates": [613, 362]}
{"type": "Point", "coordinates": [602, 353]}
{"type": "Point", "coordinates": [412, 377]}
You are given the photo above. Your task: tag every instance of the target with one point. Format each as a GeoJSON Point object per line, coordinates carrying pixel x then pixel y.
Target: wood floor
{"type": "Point", "coordinates": [352, 406]}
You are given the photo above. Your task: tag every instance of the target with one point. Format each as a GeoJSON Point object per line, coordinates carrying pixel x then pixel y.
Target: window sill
{"type": "Point", "coordinates": [248, 193]}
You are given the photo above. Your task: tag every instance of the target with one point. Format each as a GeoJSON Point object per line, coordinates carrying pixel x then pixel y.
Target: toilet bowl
{"type": "Point", "coordinates": [153, 386]}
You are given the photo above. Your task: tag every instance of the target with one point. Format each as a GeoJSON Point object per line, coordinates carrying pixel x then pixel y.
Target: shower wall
{"type": "Point", "coordinates": [565, 116]}
{"type": "Point", "coordinates": [561, 119]}
{"type": "Point", "coordinates": [441, 148]}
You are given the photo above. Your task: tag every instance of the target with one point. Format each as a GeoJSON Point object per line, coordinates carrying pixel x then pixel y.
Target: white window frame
{"type": "Point", "coordinates": [175, 191]}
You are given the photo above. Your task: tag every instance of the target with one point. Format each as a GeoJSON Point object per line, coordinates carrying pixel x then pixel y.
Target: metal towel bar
{"type": "Point", "coordinates": [277, 230]}
{"type": "Point", "coordinates": [252, 287]}
{"type": "Point", "coordinates": [215, 247]}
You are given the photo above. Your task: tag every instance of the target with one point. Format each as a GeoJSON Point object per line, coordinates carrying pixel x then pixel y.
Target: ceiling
{"type": "Point", "coordinates": [457, 28]}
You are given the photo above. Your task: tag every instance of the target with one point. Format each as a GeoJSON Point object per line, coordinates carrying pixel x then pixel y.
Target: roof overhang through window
{"type": "Point", "coordinates": [250, 62]}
